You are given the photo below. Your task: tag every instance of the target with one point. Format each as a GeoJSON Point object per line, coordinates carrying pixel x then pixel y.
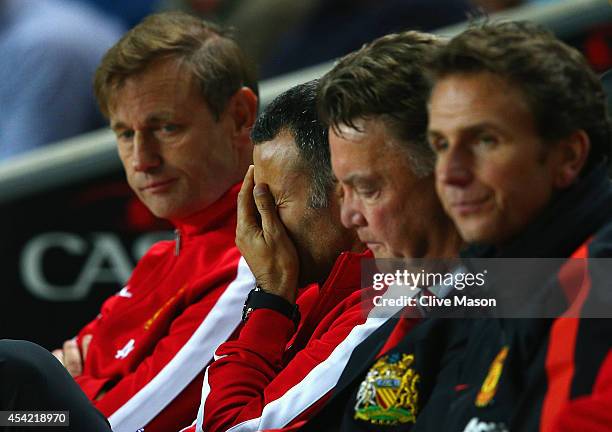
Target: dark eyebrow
{"type": "Point", "coordinates": [473, 129]}
{"type": "Point", "coordinates": [479, 127]}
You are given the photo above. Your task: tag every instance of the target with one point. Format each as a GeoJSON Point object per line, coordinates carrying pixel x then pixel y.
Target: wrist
{"type": "Point", "coordinates": [259, 298]}
{"type": "Point", "coordinates": [285, 288]}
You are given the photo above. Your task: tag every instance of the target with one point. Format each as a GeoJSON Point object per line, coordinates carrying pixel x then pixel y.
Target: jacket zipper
{"type": "Point", "coordinates": [177, 242]}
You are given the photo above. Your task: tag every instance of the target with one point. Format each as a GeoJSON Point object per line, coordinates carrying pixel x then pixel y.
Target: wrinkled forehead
{"type": "Point", "coordinates": [167, 78]}
{"type": "Point", "coordinates": [466, 100]}
{"type": "Point", "coordinates": [372, 134]}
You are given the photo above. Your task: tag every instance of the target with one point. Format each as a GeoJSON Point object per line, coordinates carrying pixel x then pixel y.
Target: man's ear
{"type": "Point", "coordinates": [573, 153]}
{"type": "Point", "coordinates": [242, 111]}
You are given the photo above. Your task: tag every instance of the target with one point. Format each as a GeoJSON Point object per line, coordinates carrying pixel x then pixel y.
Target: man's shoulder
{"type": "Point", "coordinates": [347, 314]}
{"type": "Point", "coordinates": [159, 249]}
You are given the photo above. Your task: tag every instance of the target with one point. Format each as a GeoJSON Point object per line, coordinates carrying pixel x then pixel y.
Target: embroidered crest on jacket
{"type": "Point", "coordinates": [489, 386]}
{"type": "Point", "coordinates": [388, 395]}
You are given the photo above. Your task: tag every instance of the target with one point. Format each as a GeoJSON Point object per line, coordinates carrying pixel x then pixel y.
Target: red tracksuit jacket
{"type": "Point", "coordinates": [269, 379]}
{"type": "Point", "coordinates": [153, 339]}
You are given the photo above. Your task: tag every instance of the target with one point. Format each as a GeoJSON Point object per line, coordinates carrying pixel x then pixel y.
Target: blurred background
{"type": "Point", "coordinates": [71, 229]}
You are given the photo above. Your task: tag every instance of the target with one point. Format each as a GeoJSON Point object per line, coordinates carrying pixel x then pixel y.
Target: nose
{"type": "Point", "coordinates": [145, 155]}
{"type": "Point", "coordinates": [454, 167]}
{"type": "Point", "coordinates": [351, 215]}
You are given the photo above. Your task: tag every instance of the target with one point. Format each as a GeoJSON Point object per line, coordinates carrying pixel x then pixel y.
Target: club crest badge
{"type": "Point", "coordinates": [489, 386]}
{"type": "Point", "coordinates": [388, 395]}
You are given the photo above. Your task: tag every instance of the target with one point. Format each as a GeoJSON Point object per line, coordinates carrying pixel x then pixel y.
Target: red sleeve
{"type": "Point", "coordinates": [88, 329]}
{"type": "Point", "coordinates": [579, 352]}
{"type": "Point", "coordinates": [590, 413]}
{"type": "Point", "coordinates": [91, 385]}
{"type": "Point", "coordinates": [181, 411]}
{"type": "Point", "coordinates": [92, 326]}
{"type": "Point", "coordinates": [250, 372]}
{"type": "Point", "coordinates": [183, 407]}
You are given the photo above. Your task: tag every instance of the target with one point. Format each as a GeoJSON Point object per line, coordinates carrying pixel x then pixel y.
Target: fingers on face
{"type": "Point", "coordinates": [266, 207]}
{"type": "Point", "coordinates": [246, 207]}
{"type": "Point", "coordinates": [253, 201]}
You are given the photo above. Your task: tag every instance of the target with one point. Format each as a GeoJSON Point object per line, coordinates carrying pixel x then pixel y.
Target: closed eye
{"type": "Point", "coordinates": [367, 192]}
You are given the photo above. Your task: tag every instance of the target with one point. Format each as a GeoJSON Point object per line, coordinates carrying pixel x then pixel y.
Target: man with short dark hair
{"type": "Point", "coordinates": [181, 99]}
{"type": "Point", "coordinates": [291, 238]}
{"type": "Point", "coordinates": [519, 123]}
{"type": "Point", "coordinates": [291, 156]}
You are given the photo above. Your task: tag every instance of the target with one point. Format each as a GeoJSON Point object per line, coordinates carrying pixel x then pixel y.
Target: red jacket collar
{"type": "Point", "coordinates": [213, 216]}
{"type": "Point", "coordinates": [346, 272]}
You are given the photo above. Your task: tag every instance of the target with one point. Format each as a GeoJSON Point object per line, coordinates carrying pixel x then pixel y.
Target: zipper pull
{"type": "Point", "coordinates": [177, 242]}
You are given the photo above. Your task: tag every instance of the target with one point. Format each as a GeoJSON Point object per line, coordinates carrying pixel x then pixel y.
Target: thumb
{"type": "Point", "coordinates": [59, 354]}
{"type": "Point", "coordinates": [267, 208]}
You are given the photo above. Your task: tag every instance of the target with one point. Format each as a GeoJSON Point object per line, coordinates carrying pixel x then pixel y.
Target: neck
{"type": "Point", "coordinates": [438, 236]}
{"type": "Point", "coordinates": [443, 239]}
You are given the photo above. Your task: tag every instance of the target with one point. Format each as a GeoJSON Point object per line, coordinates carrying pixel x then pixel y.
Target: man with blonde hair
{"type": "Point", "coordinates": [181, 99]}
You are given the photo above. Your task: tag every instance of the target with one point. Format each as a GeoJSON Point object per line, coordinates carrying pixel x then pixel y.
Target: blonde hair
{"type": "Point", "coordinates": [213, 57]}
